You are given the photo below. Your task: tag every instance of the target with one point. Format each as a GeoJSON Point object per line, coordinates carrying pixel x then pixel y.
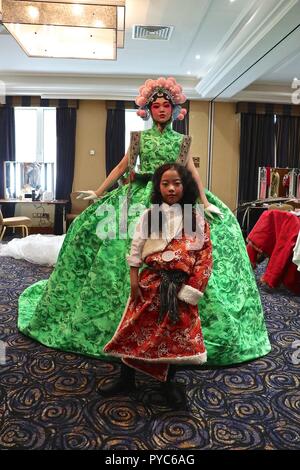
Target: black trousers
{"type": "Point", "coordinates": [128, 373]}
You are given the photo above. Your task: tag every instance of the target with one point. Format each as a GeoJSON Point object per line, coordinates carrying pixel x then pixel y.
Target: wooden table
{"type": "Point", "coordinates": [60, 208]}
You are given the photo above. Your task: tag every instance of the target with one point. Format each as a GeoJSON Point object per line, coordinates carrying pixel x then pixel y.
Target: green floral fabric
{"type": "Point", "coordinates": [80, 306]}
{"type": "Point", "coordinates": [157, 148]}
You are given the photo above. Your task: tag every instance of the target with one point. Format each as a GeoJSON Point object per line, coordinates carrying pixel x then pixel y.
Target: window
{"type": "Point", "coordinates": [134, 123]}
{"type": "Point", "coordinates": [35, 165]}
{"type": "Point", "coordinates": [35, 134]}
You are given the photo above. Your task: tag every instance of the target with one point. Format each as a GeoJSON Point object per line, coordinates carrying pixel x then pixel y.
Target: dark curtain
{"type": "Point", "coordinates": [288, 141]}
{"type": "Point", "coordinates": [65, 156]}
{"type": "Point", "coordinates": [115, 136]}
{"type": "Point", "coordinates": [182, 126]}
{"type": "Point", "coordinates": [257, 148]}
{"type": "Point", "coordinates": [7, 151]}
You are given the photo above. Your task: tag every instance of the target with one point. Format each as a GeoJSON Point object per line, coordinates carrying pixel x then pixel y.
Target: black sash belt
{"type": "Point", "coordinates": [170, 282]}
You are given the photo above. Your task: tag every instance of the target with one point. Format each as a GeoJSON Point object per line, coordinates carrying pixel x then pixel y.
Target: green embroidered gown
{"type": "Point", "coordinates": [80, 306]}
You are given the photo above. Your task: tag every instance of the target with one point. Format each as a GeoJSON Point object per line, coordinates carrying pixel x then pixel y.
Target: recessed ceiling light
{"type": "Point", "coordinates": [197, 56]}
{"type": "Point", "coordinates": [33, 12]}
{"type": "Point", "coordinates": [55, 29]}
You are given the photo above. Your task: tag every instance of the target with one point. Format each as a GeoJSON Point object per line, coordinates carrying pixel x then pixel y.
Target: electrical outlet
{"type": "Point", "coordinates": [41, 215]}
{"type": "Point", "coordinates": [196, 162]}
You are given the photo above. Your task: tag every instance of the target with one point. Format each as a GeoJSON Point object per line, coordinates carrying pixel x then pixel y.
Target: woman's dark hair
{"type": "Point", "coordinates": [190, 193]}
{"type": "Point", "coordinates": [190, 188]}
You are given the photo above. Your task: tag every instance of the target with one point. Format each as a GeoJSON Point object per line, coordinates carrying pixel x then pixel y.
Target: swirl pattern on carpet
{"type": "Point", "coordinates": [49, 399]}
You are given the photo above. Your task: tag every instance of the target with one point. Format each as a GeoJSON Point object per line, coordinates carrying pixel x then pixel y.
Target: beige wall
{"type": "Point", "coordinates": [225, 159]}
{"type": "Point", "coordinates": [225, 154]}
{"type": "Point", "coordinates": [90, 135]}
{"type": "Point", "coordinates": [199, 131]}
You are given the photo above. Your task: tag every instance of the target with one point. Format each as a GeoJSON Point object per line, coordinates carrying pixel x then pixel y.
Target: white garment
{"type": "Point", "coordinates": [296, 212]}
{"type": "Point", "coordinates": [38, 249]}
{"type": "Point", "coordinates": [142, 246]}
{"type": "Point", "coordinates": [296, 256]}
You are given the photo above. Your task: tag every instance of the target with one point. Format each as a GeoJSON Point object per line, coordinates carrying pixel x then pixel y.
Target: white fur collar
{"type": "Point", "coordinates": [173, 228]}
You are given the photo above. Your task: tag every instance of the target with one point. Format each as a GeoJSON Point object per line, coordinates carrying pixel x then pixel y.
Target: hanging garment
{"type": "Point", "coordinates": [275, 180]}
{"type": "Point", "coordinates": [263, 184]}
{"type": "Point", "coordinates": [296, 255]}
{"type": "Point", "coordinates": [275, 235]}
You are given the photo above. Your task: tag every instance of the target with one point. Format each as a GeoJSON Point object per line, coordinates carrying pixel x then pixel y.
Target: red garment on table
{"type": "Point", "coordinates": [149, 346]}
{"type": "Point", "coordinates": [275, 234]}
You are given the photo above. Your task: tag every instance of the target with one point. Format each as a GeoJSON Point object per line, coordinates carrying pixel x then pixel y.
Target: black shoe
{"type": "Point", "coordinates": [116, 388]}
{"type": "Point", "coordinates": [124, 384]}
{"type": "Point", "coordinates": [175, 395]}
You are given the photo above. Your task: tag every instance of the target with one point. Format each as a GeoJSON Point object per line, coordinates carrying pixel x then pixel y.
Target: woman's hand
{"type": "Point", "coordinates": [212, 210]}
{"type": "Point", "coordinates": [87, 195]}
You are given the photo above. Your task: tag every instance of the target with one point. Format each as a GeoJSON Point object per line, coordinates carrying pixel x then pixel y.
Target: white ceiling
{"type": "Point", "coordinates": [249, 49]}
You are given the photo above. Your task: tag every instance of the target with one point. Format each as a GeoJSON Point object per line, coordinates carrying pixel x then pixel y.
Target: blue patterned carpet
{"type": "Point", "coordinates": [48, 398]}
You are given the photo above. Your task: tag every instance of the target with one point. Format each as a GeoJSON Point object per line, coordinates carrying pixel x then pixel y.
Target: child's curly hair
{"type": "Point", "coordinates": [190, 188]}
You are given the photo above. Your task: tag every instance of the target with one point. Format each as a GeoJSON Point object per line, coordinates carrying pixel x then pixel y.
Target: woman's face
{"type": "Point", "coordinates": [161, 110]}
{"type": "Point", "coordinates": [171, 187]}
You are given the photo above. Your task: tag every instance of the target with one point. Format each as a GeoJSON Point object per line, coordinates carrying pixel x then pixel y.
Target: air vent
{"type": "Point", "coordinates": [162, 33]}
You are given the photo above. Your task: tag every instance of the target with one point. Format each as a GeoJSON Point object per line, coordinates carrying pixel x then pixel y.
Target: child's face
{"type": "Point", "coordinates": [171, 187]}
{"type": "Point", "coordinates": [161, 110]}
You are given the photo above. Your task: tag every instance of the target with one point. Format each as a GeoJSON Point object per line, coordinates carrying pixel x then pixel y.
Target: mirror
{"type": "Point", "coordinates": [26, 180]}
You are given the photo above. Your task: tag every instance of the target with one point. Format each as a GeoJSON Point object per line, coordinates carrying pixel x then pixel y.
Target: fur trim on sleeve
{"type": "Point", "coordinates": [189, 294]}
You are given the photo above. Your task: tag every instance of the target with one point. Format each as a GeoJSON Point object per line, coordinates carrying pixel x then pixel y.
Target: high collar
{"type": "Point", "coordinates": [176, 209]}
{"type": "Point", "coordinates": [166, 129]}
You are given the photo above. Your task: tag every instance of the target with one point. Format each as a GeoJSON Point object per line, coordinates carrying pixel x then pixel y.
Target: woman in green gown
{"type": "Point", "coordinates": [79, 307]}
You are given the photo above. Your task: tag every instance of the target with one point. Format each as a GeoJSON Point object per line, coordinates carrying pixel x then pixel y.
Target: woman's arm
{"type": "Point", "coordinates": [191, 166]}
{"type": "Point", "coordinates": [114, 175]}
{"type": "Point", "coordinates": [210, 209]}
